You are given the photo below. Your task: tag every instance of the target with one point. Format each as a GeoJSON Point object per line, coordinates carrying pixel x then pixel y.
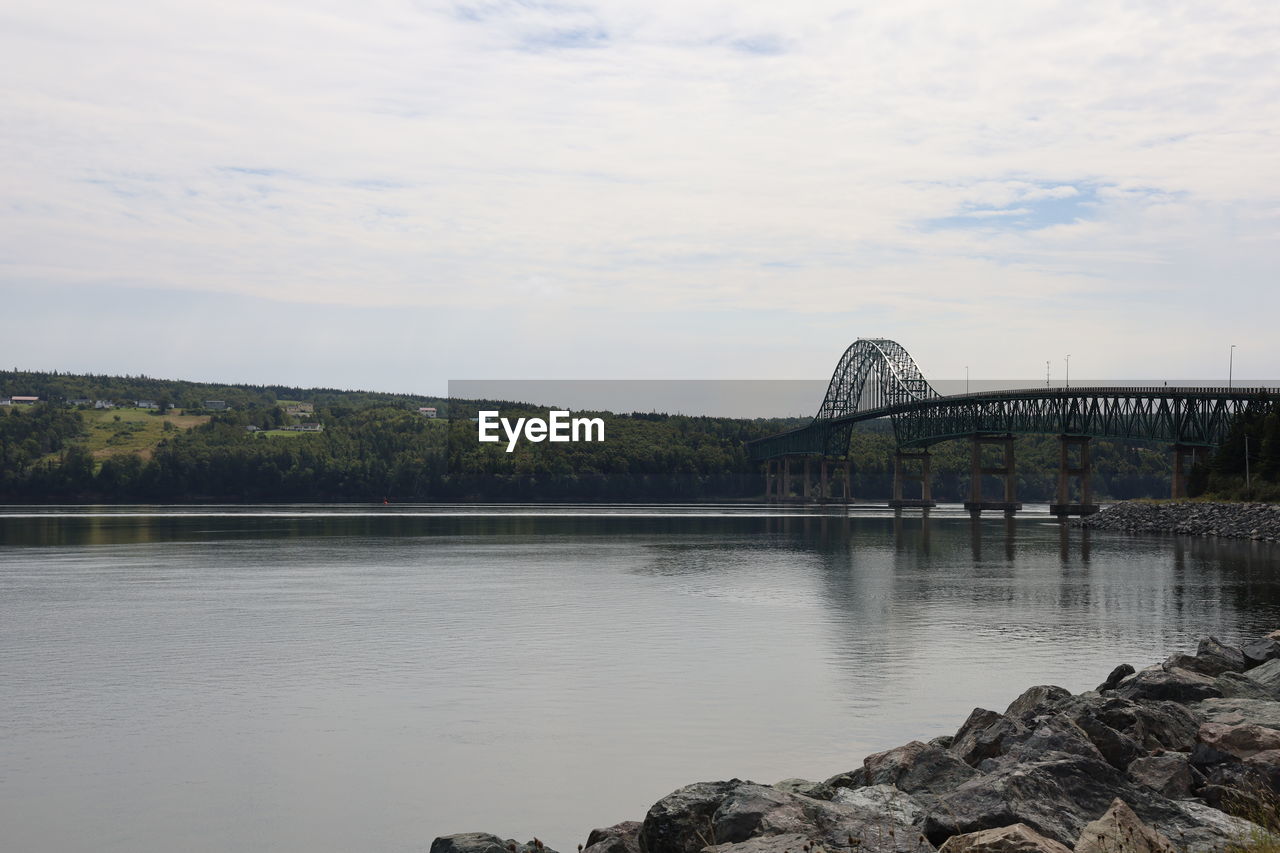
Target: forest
{"type": "Point", "coordinates": [376, 447]}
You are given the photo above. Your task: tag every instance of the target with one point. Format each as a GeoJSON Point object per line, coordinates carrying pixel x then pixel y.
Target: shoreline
{"type": "Point", "coordinates": [1256, 521]}
{"type": "Point", "coordinates": [1182, 755]}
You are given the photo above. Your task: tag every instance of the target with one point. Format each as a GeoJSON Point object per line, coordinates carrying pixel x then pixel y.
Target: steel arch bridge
{"type": "Point", "coordinates": [877, 378]}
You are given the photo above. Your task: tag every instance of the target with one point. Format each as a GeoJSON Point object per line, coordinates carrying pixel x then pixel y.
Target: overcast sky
{"type": "Point", "coordinates": [392, 194]}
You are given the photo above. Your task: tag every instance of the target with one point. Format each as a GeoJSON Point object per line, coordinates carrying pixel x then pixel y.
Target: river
{"type": "Point", "coordinates": [337, 678]}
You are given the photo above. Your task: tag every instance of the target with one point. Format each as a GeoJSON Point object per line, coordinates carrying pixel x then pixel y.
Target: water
{"type": "Point", "coordinates": [354, 678]}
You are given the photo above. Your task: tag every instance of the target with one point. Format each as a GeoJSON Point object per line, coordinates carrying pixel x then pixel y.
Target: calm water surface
{"type": "Point", "coordinates": [351, 678]}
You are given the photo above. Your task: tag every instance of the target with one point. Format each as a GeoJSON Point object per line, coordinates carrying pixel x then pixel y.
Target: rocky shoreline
{"type": "Point", "coordinates": [1256, 521]}
{"type": "Point", "coordinates": [1180, 756]}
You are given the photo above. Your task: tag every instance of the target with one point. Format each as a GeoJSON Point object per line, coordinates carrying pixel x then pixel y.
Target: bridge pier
{"type": "Point", "coordinates": [1182, 470]}
{"type": "Point", "coordinates": [1083, 470]}
{"type": "Point", "coordinates": [1005, 472]}
{"type": "Point", "coordinates": [901, 474]}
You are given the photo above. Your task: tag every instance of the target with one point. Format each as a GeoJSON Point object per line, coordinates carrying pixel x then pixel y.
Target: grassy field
{"type": "Point", "coordinates": [113, 431]}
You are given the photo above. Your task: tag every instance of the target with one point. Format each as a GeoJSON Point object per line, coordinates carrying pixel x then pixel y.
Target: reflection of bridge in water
{"type": "Point", "coordinates": [876, 378]}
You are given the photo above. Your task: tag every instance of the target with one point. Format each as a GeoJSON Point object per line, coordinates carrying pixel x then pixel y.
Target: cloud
{"type": "Point", "coordinates": [653, 159]}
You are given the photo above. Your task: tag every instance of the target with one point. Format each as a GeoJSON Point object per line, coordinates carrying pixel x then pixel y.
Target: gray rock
{"type": "Point", "coordinates": [620, 838]}
{"type": "Point", "coordinates": [806, 788]}
{"type": "Point", "coordinates": [984, 735]}
{"type": "Point", "coordinates": [1259, 651]}
{"type": "Point", "coordinates": [1018, 838]}
{"type": "Point", "coordinates": [1178, 685]}
{"type": "Point", "coordinates": [1117, 674]}
{"type": "Point", "coordinates": [1121, 829]}
{"type": "Point", "coordinates": [1209, 666]}
{"type": "Point", "coordinates": [917, 767]}
{"type": "Point", "coordinates": [716, 813]}
{"type": "Point", "coordinates": [1209, 830]}
{"type": "Point", "coordinates": [793, 843]}
{"type": "Point", "coordinates": [942, 741]}
{"type": "Point", "coordinates": [1230, 657]}
{"type": "Point", "coordinates": [1170, 774]}
{"type": "Point", "coordinates": [1240, 740]}
{"type": "Point", "coordinates": [1117, 748]}
{"type": "Point", "coordinates": [1267, 674]}
{"type": "Point", "coordinates": [1262, 712]}
{"type": "Point", "coordinates": [1035, 701]}
{"type": "Point", "coordinates": [1235, 685]}
{"type": "Point", "coordinates": [1055, 735]}
{"type": "Point", "coordinates": [902, 807]}
{"type": "Point", "coordinates": [849, 779]}
{"type": "Point", "coordinates": [483, 842]}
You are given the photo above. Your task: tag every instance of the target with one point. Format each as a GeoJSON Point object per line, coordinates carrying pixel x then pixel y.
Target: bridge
{"type": "Point", "coordinates": [877, 378]}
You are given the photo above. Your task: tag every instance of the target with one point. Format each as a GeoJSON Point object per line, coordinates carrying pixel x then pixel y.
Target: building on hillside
{"type": "Point", "coordinates": [23, 401]}
{"type": "Point", "coordinates": [307, 427]}
{"type": "Point", "coordinates": [79, 401]}
{"type": "Point", "coordinates": [104, 404]}
{"type": "Point", "coordinates": [216, 405]}
{"type": "Point", "coordinates": [296, 409]}
{"type": "Point", "coordinates": [146, 404]}
{"type": "Point", "coordinates": [427, 411]}
{"type": "Point", "coordinates": [252, 428]}
{"type": "Point", "coordinates": [5, 401]}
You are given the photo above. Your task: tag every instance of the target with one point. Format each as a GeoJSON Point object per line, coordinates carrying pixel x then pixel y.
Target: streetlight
{"type": "Point", "coordinates": [1046, 374]}
{"type": "Point", "coordinates": [1067, 384]}
{"type": "Point", "coordinates": [966, 379]}
{"type": "Point", "coordinates": [1231, 362]}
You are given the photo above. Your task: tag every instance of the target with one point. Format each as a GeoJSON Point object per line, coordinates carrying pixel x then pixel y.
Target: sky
{"type": "Point", "coordinates": [392, 195]}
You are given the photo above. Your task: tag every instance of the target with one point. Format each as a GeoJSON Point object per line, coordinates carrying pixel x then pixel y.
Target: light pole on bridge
{"type": "Point", "coordinates": [1231, 363]}
{"type": "Point", "coordinates": [1067, 382]}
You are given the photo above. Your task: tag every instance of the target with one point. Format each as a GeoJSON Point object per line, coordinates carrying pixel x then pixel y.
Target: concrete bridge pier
{"type": "Point", "coordinates": [1184, 456]}
{"type": "Point", "coordinates": [901, 473]}
{"type": "Point", "coordinates": [1082, 470]}
{"type": "Point", "coordinates": [1006, 472]}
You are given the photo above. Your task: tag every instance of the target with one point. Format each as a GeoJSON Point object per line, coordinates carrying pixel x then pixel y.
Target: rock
{"type": "Point", "coordinates": [1170, 774]}
{"type": "Point", "coordinates": [1018, 838]}
{"type": "Point", "coordinates": [1152, 725]}
{"type": "Point", "coordinates": [1056, 735]}
{"type": "Point", "coordinates": [1210, 830]}
{"type": "Point", "coordinates": [1178, 685]}
{"type": "Point", "coordinates": [1235, 685]}
{"type": "Point", "coordinates": [717, 813]}
{"type": "Point", "coordinates": [681, 821]}
{"type": "Point", "coordinates": [620, 838]}
{"type": "Point", "coordinates": [1267, 674]}
{"type": "Point", "coordinates": [849, 779]}
{"type": "Point", "coordinates": [942, 741]}
{"type": "Point", "coordinates": [1212, 649]}
{"type": "Point", "coordinates": [1259, 651]}
{"type": "Point", "coordinates": [984, 735]}
{"type": "Point", "coordinates": [817, 790]}
{"type": "Point", "coordinates": [1035, 701]}
{"type": "Point", "coordinates": [1121, 829]}
{"type": "Point", "coordinates": [1241, 740]}
{"type": "Point", "coordinates": [483, 842]}
{"type": "Point", "coordinates": [1262, 712]}
{"type": "Point", "coordinates": [917, 767]}
{"type": "Point", "coordinates": [794, 843]}
{"type": "Point", "coordinates": [1115, 677]}
{"type": "Point", "coordinates": [1117, 748]}
{"type": "Point", "coordinates": [899, 805]}
{"type": "Point", "coordinates": [1211, 667]}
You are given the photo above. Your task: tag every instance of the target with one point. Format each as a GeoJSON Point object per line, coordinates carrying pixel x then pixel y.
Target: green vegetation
{"type": "Point", "coordinates": [1228, 476]}
{"type": "Point", "coordinates": [377, 445]}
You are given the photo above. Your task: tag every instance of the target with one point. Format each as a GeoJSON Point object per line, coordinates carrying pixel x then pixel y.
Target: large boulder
{"type": "Point", "coordinates": [1057, 796]}
{"type": "Point", "coordinates": [620, 838]}
{"type": "Point", "coordinates": [1262, 712]}
{"type": "Point", "coordinates": [1175, 684]}
{"type": "Point", "coordinates": [794, 843]}
{"type": "Point", "coordinates": [849, 779]}
{"type": "Point", "coordinates": [1268, 675]}
{"type": "Point", "coordinates": [1121, 830]}
{"type": "Point", "coordinates": [1229, 657]}
{"type": "Point", "coordinates": [1056, 734]}
{"type": "Point", "coordinates": [1117, 675]}
{"type": "Point", "coordinates": [1259, 651]}
{"type": "Point", "coordinates": [1236, 685]}
{"type": "Point", "coordinates": [1152, 725]}
{"type": "Point", "coordinates": [1241, 740]}
{"type": "Point", "coordinates": [1036, 701]}
{"type": "Point", "coordinates": [1116, 747]}
{"type": "Point", "coordinates": [986, 734]}
{"type": "Point", "coordinates": [1169, 773]}
{"type": "Point", "coordinates": [716, 813]}
{"type": "Point", "coordinates": [901, 807]}
{"type": "Point", "coordinates": [917, 767]}
{"type": "Point", "coordinates": [483, 842]}
{"type": "Point", "coordinates": [1018, 838]}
